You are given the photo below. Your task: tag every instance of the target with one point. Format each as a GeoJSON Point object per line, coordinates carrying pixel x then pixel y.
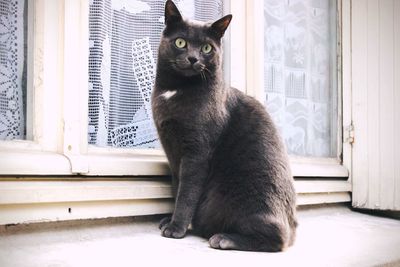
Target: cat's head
{"type": "Point", "coordinates": [191, 48]}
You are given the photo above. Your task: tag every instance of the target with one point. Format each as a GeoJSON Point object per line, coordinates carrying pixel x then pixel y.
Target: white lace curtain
{"type": "Point", "coordinates": [300, 73]}
{"type": "Point", "coordinates": [12, 70]}
{"type": "Point", "coordinates": [124, 38]}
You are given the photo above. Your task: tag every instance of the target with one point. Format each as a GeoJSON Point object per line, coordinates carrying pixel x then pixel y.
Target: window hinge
{"type": "Point", "coordinates": [349, 131]}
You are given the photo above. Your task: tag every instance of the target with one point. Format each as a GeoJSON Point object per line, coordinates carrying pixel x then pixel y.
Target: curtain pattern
{"type": "Point", "coordinates": [300, 73]}
{"type": "Point", "coordinates": [12, 75]}
{"type": "Point", "coordinates": [124, 37]}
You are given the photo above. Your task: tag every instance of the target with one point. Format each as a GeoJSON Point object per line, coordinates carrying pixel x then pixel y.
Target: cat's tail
{"type": "Point", "coordinates": [259, 233]}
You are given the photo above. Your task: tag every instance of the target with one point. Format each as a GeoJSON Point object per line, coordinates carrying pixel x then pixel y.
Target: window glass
{"type": "Point", "coordinates": [124, 37]}
{"type": "Point", "coordinates": [13, 24]}
{"type": "Point", "coordinates": [301, 74]}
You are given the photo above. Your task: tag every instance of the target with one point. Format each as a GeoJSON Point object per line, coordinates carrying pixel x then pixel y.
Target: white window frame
{"type": "Point", "coordinates": [118, 182]}
{"type": "Point", "coordinates": [60, 135]}
{"type": "Point", "coordinates": [301, 166]}
{"type": "Point", "coordinates": [41, 154]}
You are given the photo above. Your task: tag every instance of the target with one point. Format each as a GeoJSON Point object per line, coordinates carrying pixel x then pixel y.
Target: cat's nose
{"type": "Point", "coordinates": [192, 60]}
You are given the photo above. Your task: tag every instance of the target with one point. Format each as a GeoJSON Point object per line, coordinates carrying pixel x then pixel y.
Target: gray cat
{"type": "Point", "coordinates": [230, 171]}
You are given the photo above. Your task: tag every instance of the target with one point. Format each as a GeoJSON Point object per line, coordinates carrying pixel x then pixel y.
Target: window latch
{"type": "Point", "coordinates": [349, 138]}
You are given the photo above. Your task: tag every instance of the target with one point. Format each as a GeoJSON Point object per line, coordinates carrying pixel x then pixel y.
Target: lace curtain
{"type": "Point", "coordinates": [300, 73]}
{"type": "Point", "coordinates": [124, 37]}
{"type": "Point", "coordinates": [12, 69]}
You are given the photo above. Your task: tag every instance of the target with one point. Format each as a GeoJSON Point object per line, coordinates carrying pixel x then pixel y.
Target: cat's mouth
{"type": "Point", "coordinates": [188, 69]}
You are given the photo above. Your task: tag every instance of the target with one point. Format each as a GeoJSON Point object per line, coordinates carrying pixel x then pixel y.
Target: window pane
{"type": "Point", "coordinates": [12, 69]}
{"type": "Point", "coordinates": [124, 37]}
{"type": "Point", "coordinates": [300, 74]}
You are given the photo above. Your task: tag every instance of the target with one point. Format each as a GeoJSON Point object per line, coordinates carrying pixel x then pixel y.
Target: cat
{"type": "Point", "coordinates": [230, 172]}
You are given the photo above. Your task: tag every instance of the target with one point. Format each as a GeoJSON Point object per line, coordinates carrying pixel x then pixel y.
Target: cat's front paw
{"type": "Point", "coordinates": [173, 230]}
{"type": "Point", "coordinates": [165, 221]}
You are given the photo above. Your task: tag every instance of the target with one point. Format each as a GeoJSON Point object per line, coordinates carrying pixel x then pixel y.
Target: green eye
{"type": "Point", "coordinates": [206, 48]}
{"type": "Point", "coordinates": [180, 43]}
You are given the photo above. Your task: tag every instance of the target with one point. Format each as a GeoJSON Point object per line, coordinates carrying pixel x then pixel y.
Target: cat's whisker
{"type": "Point", "coordinates": [180, 61]}
{"type": "Point", "coordinates": [203, 77]}
{"type": "Point", "coordinates": [209, 71]}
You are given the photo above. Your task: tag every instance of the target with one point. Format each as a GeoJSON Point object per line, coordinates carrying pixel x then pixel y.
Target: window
{"type": "Point", "coordinates": [84, 72]}
{"type": "Point", "coordinates": [293, 54]}
{"type": "Point", "coordinates": [123, 39]}
{"type": "Point", "coordinates": [93, 116]}
{"type": "Point", "coordinates": [88, 117]}
{"type": "Point", "coordinates": [300, 77]}
{"type": "Point", "coordinates": [31, 91]}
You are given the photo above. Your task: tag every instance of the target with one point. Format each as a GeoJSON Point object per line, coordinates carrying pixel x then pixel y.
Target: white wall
{"type": "Point", "coordinates": [376, 103]}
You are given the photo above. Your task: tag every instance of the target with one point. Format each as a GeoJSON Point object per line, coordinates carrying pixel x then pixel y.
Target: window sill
{"type": "Point", "coordinates": [147, 163]}
{"type": "Point", "coordinates": [22, 162]}
{"type": "Point", "coordinates": [157, 164]}
{"type": "Point", "coordinates": [66, 198]}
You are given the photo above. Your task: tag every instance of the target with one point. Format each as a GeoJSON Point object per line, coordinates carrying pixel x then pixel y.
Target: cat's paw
{"type": "Point", "coordinates": [221, 241]}
{"type": "Point", "coordinates": [173, 230]}
{"type": "Point", "coordinates": [164, 221]}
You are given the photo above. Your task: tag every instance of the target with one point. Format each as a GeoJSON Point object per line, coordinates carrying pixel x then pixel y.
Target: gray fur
{"type": "Point", "coordinates": [230, 171]}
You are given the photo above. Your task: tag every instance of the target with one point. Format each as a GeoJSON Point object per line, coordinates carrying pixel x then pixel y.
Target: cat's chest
{"type": "Point", "coordinates": [175, 104]}
{"type": "Point", "coordinates": [168, 95]}
{"type": "Point", "coordinates": [167, 104]}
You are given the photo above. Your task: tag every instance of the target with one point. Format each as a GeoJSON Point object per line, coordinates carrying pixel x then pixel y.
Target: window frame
{"type": "Point", "coordinates": [39, 154]}
{"type": "Point", "coordinates": [61, 138]}
{"type": "Point", "coordinates": [89, 159]}
{"type": "Point", "coordinates": [301, 166]}
{"type": "Point", "coordinates": [95, 182]}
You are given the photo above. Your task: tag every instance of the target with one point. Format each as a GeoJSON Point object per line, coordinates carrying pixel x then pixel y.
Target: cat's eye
{"type": "Point", "coordinates": [206, 49]}
{"type": "Point", "coordinates": [180, 43]}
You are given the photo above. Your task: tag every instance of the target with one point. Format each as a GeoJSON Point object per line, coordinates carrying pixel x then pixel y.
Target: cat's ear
{"type": "Point", "coordinates": [172, 14]}
{"type": "Point", "coordinates": [219, 27]}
